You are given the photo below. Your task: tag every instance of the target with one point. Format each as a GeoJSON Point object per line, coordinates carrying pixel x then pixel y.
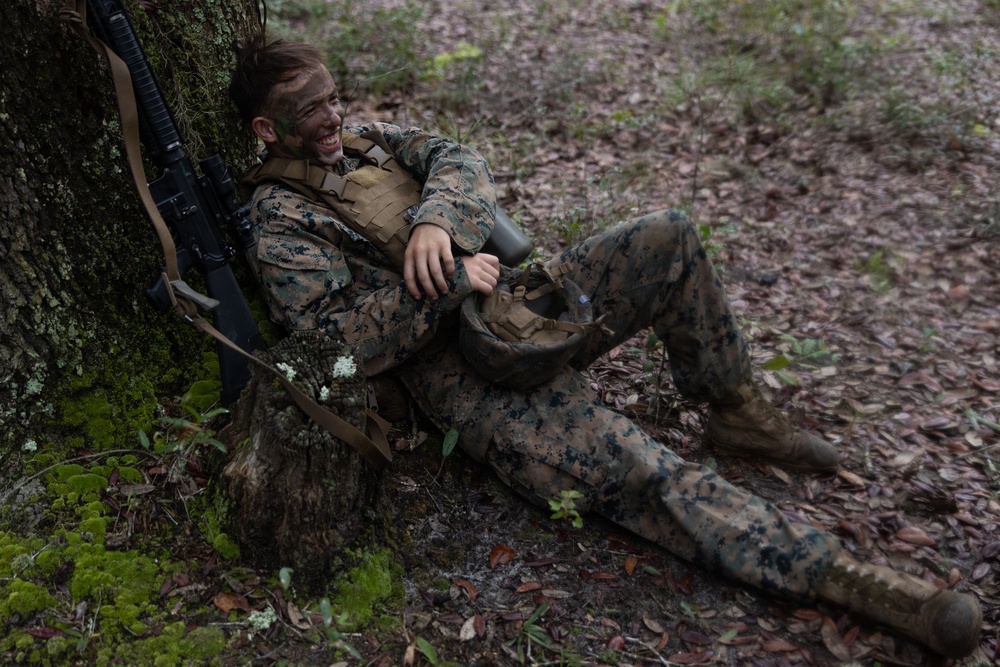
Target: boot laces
{"type": "Point", "coordinates": [772, 419]}
{"type": "Point", "coordinates": [873, 586]}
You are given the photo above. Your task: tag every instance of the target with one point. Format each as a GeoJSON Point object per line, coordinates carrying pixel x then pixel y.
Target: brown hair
{"type": "Point", "coordinates": [260, 66]}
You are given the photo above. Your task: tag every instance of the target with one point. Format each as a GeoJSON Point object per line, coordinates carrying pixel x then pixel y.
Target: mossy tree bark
{"type": "Point", "coordinates": [301, 497]}
{"type": "Point", "coordinates": [83, 358]}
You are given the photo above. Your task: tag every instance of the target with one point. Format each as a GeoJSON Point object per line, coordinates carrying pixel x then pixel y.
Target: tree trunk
{"type": "Point", "coordinates": [300, 497]}
{"type": "Point", "coordinates": [83, 357]}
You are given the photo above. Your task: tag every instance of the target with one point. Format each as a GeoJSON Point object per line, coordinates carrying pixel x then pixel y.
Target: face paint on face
{"type": "Point", "coordinates": [307, 118]}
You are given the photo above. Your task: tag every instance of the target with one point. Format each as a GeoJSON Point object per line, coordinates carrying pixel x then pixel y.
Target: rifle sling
{"type": "Point", "coordinates": [374, 450]}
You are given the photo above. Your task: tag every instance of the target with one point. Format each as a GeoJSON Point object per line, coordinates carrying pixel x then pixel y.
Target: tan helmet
{"type": "Point", "coordinates": [528, 329]}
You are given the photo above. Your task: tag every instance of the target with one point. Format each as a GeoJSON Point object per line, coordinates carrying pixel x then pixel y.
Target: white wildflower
{"type": "Point", "coordinates": [324, 393]}
{"type": "Point", "coordinates": [29, 446]}
{"type": "Point", "coordinates": [344, 367]}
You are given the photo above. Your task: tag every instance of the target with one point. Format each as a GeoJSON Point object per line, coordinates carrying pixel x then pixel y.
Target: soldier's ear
{"type": "Point", "coordinates": [264, 128]}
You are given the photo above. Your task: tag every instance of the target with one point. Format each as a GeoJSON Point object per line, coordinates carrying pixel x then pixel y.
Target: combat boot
{"type": "Point", "coordinates": [945, 621]}
{"type": "Point", "coordinates": [744, 423]}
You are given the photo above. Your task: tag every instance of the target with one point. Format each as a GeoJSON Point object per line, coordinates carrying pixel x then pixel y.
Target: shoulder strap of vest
{"type": "Point", "coordinates": [310, 179]}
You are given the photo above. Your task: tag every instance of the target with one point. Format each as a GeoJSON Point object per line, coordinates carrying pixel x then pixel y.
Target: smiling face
{"type": "Point", "coordinates": [304, 119]}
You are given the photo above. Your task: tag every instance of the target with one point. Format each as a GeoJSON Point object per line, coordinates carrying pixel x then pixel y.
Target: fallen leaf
{"type": "Point", "coordinates": [226, 602]}
{"type": "Point", "coordinates": [468, 631]}
{"type": "Point", "coordinates": [777, 645]}
{"type": "Point", "coordinates": [556, 593]}
{"type": "Point", "coordinates": [296, 617]}
{"type": "Point", "coordinates": [832, 640]}
{"type": "Point", "coordinates": [781, 474]}
{"type": "Point", "coordinates": [914, 535]}
{"type": "Point", "coordinates": [692, 637]}
{"type": "Point", "coordinates": [850, 477]}
{"type": "Point", "coordinates": [46, 632]}
{"type": "Point", "coordinates": [654, 626]}
{"type": "Point", "coordinates": [692, 658]}
{"type": "Point", "coordinates": [501, 555]}
{"type": "Point", "coordinates": [468, 587]}
{"type": "Point", "coordinates": [981, 571]}
{"type": "Point", "coordinates": [527, 587]}
{"type": "Point", "coordinates": [987, 385]}
{"type": "Point", "coordinates": [768, 624]}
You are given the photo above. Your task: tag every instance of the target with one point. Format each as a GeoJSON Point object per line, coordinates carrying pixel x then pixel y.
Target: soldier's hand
{"type": "Point", "coordinates": [483, 270]}
{"type": "Point", "coordinates": [428, 261]}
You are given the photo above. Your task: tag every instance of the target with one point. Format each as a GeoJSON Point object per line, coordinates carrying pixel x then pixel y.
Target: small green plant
{"type": "Point", "coordinates": [454, 76]}
{"type": "Point", "coordinates": [430, 654]}
{"type": "Point", "coordinates": [572, 226]}
{"type": "Point", "coordinates": [448, 443]}
{"type": "Point", "coordinates": [928, 334]}
{"type": "Point", "coordinates": [332, 624]}
{"type": "Point", "coordinates": [708, 234]}
{"type": "Point", "coordinates": [879, 268]}
{"type": "Point", "coordinates": [564, 507]}
{"type": "Point", "coordinates": [531, 634]}
{"type": "Point", "coordinates": [809, 355]}
{"type": "Point", "coordinates": [184, 437]}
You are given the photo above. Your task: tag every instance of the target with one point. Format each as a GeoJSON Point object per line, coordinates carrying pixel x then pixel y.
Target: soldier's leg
{"type": "Point", "coordinates": [653, 271]}
{"type": "Point", "coordinates": [559, 436]}
{"type": "Point", "coordinates": [563, 439]}
{"type": "Point", "coordinates": [637, 483]}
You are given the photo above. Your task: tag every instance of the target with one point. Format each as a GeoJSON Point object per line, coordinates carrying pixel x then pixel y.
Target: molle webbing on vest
{"type": "Point", "coordinates": [369, 202]}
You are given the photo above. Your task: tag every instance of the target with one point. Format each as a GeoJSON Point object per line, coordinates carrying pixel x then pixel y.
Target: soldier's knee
{"type": "Point", "coordinates": [667, 228]}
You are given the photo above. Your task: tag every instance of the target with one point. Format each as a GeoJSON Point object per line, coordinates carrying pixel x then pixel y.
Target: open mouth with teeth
{"type": "Point", "coordinates": [330, 140]}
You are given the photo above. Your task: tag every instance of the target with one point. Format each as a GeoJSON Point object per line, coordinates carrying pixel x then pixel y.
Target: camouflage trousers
{"type": "Point", "coordinates": [647, 272]}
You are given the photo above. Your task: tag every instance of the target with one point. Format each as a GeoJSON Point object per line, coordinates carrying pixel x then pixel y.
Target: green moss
{"type": "Point", "coordinates": [212, 520]}
{"type": "Point", "coordinates": [95, 527]}
{"type": "Point", "coordinates": [173, 647]}
{"type": "Point", "coordinates": [16, 552]}
{"type": "Point", "coordinates": [67, 470]}
{"type": "Point", "coordinates": [128, 475]}
{"type": "Point", "coordinates": [86, 483]}
{"type": "Point", "coordinates": [57, 646]}
{"type": "Point", "coordinates": [21, 598]}
{"type": "Point", "coordinates": [107, 404]}
{"type": "Point", "coordinates": [374, 583]}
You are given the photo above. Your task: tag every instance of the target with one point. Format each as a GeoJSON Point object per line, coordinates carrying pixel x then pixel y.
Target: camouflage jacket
{"type": "Point", "coordinates": [319, 274]}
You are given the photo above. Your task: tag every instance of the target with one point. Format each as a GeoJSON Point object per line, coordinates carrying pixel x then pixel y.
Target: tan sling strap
{"type": "Point", "coordinates": [186, 300]}
{"type": "Point", "coordinates": [372, 200]}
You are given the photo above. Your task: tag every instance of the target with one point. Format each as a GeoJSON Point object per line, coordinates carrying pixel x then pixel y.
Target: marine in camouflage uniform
{"type": "Point", "coordinates": [651, 271]}
{"type": "Point", "coordinates": [648, 272]}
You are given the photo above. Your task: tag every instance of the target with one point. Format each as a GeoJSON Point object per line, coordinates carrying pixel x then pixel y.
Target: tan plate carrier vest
{"type": "Point", "coordinates": [373, 200]}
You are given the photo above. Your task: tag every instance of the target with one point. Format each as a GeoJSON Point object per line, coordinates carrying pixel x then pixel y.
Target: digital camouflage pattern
{"type": "Point", "coordinates": [651, 271]}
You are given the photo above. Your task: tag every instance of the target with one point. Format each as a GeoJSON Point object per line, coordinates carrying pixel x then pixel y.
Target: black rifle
{"type": "Point", "coordinates": [194, 207]}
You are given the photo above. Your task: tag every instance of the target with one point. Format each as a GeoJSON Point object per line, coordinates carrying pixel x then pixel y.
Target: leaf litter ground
{"type": "Point", "coordinates": [864, 255]}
